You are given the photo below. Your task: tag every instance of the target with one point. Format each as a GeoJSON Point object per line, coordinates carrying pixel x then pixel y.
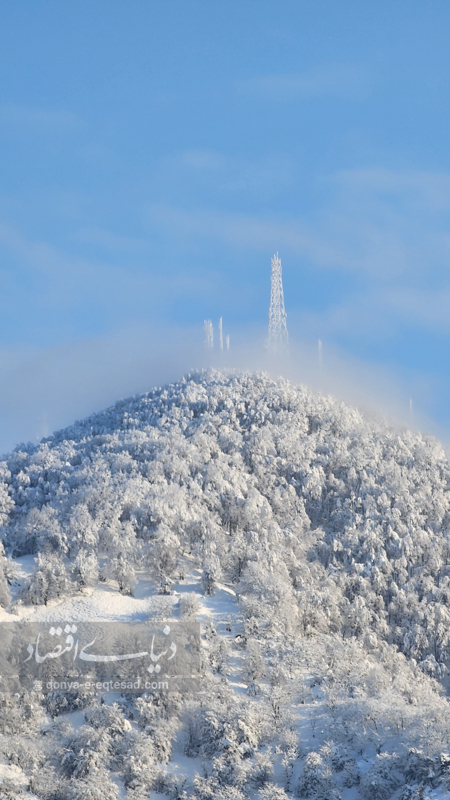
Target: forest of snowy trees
{"type": "Point", "coordinates": [326, 677]}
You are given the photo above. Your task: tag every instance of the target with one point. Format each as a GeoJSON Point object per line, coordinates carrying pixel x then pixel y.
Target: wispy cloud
{"type": "Point", "coordinates": [241, 230]}
{"type": "Point", "coordinates": [112, 242]}
{"type": "Point", "coordinates": [202, 159]}
{"type": "Point", "coordinates": [226, 174]}
{"type": "Point", "coordinates": [39, 120]}
{"type": "Point", "coordinates": [427, 307]}
{"type": "Point", "coordinates": [121, 280]}
{"type": "Point", "coordinates": [403, 212]}
{"type": "Point", "coordinates": [380, 224]}
{"type": "Point", "coordinates": [63, 273]}
{"type": "Point", "coordinates": [379, 315]}
{"type": "Point", "coordinates": [333, 80]}
{"type": "Point", "coordinates": [334, 242]}
{"type": "Point", "coordinates": [430, 189]}
{"type": "Point", "coordinates": [98, 155]}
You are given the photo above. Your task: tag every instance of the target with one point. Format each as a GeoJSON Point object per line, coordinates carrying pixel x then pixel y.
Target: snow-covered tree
{"type": "Point", "coordinates": [212, 572]}
{"type": "Point", "coordinates": [48, 581]}
{"type": "Point", "coordinates": [85, 568]}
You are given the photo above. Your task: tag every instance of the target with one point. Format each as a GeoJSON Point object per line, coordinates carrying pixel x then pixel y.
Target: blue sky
{"type": "Point", "coordinates": [154, 155]}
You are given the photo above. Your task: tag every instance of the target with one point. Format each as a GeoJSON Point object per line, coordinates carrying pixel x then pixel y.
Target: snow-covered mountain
{"type": "Point", "coordinates": [313, 546]}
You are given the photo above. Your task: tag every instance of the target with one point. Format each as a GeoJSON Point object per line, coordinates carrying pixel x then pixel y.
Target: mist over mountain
{"type": "Point", "coordinates": [313, 545]}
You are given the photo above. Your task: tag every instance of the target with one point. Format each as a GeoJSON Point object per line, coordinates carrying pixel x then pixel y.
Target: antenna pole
{"type": "Point", "coordinates": [209, 334]}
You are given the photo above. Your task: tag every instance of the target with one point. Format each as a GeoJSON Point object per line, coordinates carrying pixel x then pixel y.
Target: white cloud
{"type": "Point", "coordinates": [66, 280]}
{"type": "Point", "coordinates": [334, 241]}
{"type": "Point", "coordinates": [381, 225]}
{"type": "Point", "coordinates": [39, 119]}
{"type": "Point", "coordinates": [112, 242]}
{"type": "Point", "coordinates": [361, 315]}
{"type": "Point", "coordinates": [202, 159]}
{"type": "Point", "coordinates": [335, 80]}
{"type": "Point", "coordinates": [413, 187]}
{"type": "Point", "coordinates": [98, 155]}
{"type": "Point", "coordinates": [64, 276]}
{"type": "Point", "coordinates": [427, 307]}
{"type": "Point", "coordinates": [226, 174]}
{"type": "Point", "coordinates": [241, 230]}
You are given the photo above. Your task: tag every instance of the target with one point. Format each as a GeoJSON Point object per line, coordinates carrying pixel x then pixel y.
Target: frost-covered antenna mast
{"type": "Point", "coordinates": [220, 335]}
{"type": "Point", "coordinates": [209, 334]}
{"type": "Point", "coordinates": [278, 334]}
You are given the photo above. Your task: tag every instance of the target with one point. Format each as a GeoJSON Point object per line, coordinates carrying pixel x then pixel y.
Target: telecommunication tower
{"type": "Point", "coordinates": [278, 333]}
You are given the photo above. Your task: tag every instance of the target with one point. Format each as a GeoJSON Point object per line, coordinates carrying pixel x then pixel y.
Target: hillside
{"type": "Point", "coordinates": [311, 543]}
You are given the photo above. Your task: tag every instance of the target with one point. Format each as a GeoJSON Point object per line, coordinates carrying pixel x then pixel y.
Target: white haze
{"type": "Point", "coordinates": [45, 390]}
